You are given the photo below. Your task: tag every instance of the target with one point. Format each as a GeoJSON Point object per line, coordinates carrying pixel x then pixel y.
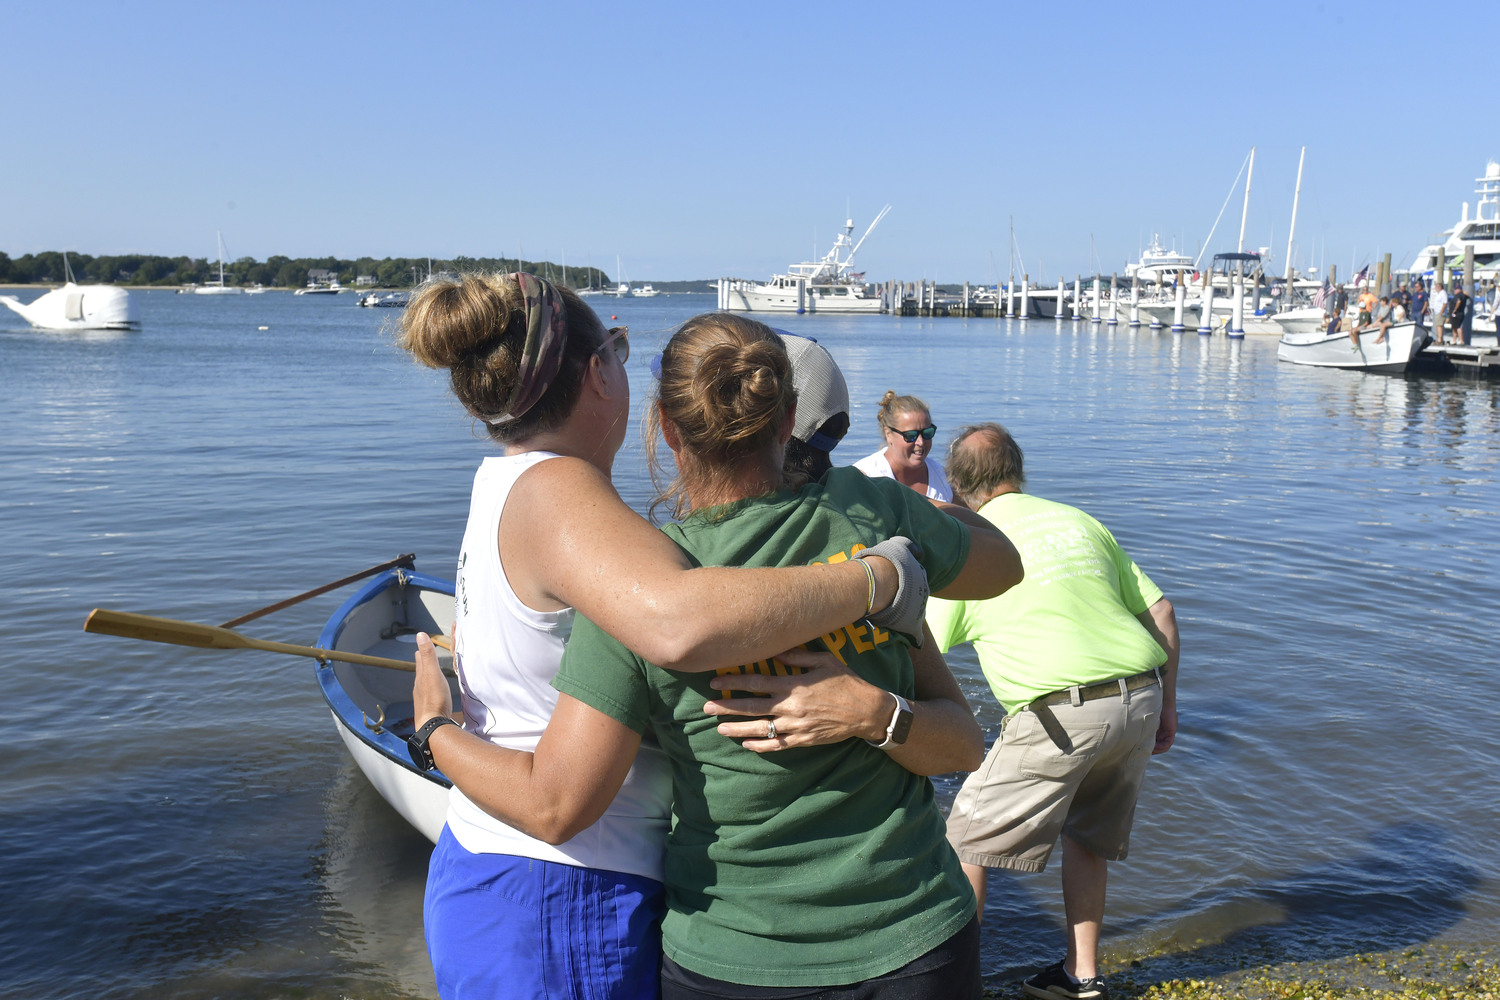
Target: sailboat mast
{"type": "Point", "coordinates": [1012, 278]}
{"type": "Point", "coordinates": [1245, 212]}
{"type": "Point", "coordinates": [1293, 234]}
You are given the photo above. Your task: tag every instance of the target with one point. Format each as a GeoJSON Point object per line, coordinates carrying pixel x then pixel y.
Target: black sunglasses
{"type": "Point", "coordinates": [911, 436]}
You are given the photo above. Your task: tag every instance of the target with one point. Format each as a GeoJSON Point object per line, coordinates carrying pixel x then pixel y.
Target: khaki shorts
{"type": "Point", "coordinates": [1029, 790]}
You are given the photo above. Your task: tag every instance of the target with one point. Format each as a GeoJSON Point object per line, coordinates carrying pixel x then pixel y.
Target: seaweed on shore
{"type": "Point", "coordinates": [1425, 972]}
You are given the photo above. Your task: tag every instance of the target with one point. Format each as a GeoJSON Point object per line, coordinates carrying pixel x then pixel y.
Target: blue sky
{"type": "Point", "coordinates": [699, 139]}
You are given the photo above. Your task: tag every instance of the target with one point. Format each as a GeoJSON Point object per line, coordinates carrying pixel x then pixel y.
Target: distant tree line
{"type": "Point", "coordinates": [282, 272]}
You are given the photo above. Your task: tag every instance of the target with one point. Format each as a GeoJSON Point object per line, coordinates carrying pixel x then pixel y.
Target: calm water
{"type": "Point", "coordinates": [185, 823]}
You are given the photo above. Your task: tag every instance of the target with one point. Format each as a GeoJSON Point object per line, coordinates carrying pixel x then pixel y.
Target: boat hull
{"type": "Point", "coordinates": [372, 706]}
{"type": "Point", "coordinates": [816, 299]}
{"type": "Point", "coordinates": [1323, 350]}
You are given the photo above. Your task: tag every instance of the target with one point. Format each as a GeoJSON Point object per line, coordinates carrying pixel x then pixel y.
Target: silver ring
{"type": "Point", "coordinates": [770, 729]}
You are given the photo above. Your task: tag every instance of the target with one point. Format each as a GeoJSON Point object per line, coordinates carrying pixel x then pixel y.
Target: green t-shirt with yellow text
{"type": "Point", "coordinates": [814, 866]}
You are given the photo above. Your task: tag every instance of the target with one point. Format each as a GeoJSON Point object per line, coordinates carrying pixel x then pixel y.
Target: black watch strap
{"type": "Point", "coordinates": [416, 744]}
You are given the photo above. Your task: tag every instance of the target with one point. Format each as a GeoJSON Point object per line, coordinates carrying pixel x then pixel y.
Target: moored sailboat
{"type": "Point", "coordinates": [219, 287]}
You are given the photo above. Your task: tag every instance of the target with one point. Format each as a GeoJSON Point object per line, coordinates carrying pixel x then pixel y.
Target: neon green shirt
{"type": "Point", "coordinates": [816, 866]}
{"type": "Point", "coordinates": [1070, 621]}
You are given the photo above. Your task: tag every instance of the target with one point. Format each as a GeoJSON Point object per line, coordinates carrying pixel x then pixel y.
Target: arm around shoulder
{"type": "Point", "coordinates": [597, 555]}
{"type": "Point", "coordinates": [993, 566]}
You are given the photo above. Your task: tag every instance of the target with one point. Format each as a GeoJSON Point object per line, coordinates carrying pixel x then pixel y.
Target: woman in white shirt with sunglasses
{"type": "Point", "coordinates": [907, 426]}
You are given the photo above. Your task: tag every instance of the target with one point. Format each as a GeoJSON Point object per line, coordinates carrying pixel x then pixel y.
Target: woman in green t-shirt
{"type": "Point", "coordinates": [790, 864]}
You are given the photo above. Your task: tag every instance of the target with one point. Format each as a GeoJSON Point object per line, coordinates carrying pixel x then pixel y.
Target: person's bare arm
{"type": "Point", "coordinates": [994, 565]}
{"type": "Point", "coordinates": [950, 737]}
{"type": "Point", "coordinates": [830, 703]}
{"type": "Point", "coordinates": [1161, 621]}
{"type": "Point", "coordinates": [595, 554]}
{"type": "Point", "coordinates": [553, 794]}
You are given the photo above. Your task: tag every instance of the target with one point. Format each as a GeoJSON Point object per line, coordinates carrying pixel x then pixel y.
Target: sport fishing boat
{"type": "Point", "coordinates": [78, 307]}
{"type": "Point", "coordinates": [1403, 341]}
{"type": "Point", "coordinates": [829, 285]}
{"type": "Point", "coordinates": [371, 705]}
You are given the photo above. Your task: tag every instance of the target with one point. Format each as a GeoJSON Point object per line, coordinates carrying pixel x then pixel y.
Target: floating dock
{"type": "Point", "coordinates": [1472, 359]}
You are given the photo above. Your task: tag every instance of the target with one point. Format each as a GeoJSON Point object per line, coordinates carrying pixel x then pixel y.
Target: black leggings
{"type": "Point", "coordinates": [948, 972]}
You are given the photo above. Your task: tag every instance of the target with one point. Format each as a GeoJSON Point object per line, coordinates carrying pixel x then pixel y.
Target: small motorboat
{"type": "Point", "coordinates": [386, 300]}
{"type": "Point", "coordinates": [1403, 341]}
{"type": "Point", "coordinates": [372, 706]}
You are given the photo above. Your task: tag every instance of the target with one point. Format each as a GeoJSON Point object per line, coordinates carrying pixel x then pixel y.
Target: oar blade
{"type": "Point", "coordinates": [133, 626]}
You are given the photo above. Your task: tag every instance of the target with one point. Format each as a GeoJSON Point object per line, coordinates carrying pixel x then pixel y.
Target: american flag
{"type": "Point", "coordinates": [1321, 295]}
{"type": "Point", "coordinates": [1364, 272]}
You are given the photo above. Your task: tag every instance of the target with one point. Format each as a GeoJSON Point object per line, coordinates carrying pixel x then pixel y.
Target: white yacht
{"type": "Point", "coordinates": [1483, 230]}
{"type": "Point", "coordinates": [1159, 265]}
{"type": "Point", "coordinates": [645, 292]}
{"type": "Point", "coordinates": [79, 307]}
{"type": "Point", "coordinates": [218, 287]}
{"type": "Point", "coordinates": [829, 285]}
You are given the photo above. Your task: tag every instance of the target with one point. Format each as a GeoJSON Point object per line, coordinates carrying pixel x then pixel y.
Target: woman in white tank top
{"type": "Point", "coordinates": [554, 906]}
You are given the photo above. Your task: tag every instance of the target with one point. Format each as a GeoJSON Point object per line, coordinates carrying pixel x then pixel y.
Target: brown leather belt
{"type": "Point", "coordinates": [1104, 689]}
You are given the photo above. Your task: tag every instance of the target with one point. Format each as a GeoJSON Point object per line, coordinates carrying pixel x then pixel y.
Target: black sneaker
{"type": "Point", "coordinates": [1052, 983]}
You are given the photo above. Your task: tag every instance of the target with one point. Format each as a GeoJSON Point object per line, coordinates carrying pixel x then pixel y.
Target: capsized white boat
{"type": "Point", "coordinates": [1402, 342]}
{"type": "Point", "coordinates": [372, 706]}
{"type": "Point", "coordinates": [79, 307]}
{"type": "Point", "coordinates": [829, 285]}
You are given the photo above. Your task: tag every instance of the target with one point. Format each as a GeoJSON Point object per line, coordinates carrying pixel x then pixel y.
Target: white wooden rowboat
{"type": "Point", "coordinates": [372, 706]}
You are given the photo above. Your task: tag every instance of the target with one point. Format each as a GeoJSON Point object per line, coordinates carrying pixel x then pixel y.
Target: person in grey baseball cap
{"type": "Point", "coordinates": [822, 407]}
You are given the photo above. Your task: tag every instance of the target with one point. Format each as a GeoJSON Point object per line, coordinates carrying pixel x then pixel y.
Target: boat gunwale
{"type": "Point", "coordinates": [348, 714]}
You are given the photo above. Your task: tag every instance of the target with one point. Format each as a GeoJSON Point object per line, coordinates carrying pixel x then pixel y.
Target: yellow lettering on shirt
{"type": "Point", "coordinates": [861, 636]}
{"type": "Point", "coordinates": [836, 641]}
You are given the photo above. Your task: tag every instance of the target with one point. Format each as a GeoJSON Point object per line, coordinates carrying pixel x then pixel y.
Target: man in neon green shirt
{"type": "Point", "coordinates": [1083, 656]}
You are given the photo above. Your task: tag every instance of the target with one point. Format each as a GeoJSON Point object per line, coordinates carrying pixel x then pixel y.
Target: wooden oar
{"type": "Point", "coordinates": [406, 562]}
{"type": "Point", "coordinates": [180, 633]}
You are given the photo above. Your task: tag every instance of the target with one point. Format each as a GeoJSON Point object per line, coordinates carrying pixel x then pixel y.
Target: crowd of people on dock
{"type": "Point", "coordinates": [695, 762]}
{"type": "Point", "coordinates": [1442, 313]}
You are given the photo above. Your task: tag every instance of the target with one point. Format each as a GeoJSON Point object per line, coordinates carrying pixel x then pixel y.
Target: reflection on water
{"type": "Point", "coordinates": [185, 823]}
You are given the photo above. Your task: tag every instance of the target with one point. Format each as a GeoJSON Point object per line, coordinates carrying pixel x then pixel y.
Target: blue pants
{"type": "Point", "coordinates": [504, 926]}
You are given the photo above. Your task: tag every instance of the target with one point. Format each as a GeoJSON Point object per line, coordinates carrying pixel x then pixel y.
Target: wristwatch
{"type": "Point", "coordinates": [900, 727]}
{"type": "Point", "coordinates": [416, 743]}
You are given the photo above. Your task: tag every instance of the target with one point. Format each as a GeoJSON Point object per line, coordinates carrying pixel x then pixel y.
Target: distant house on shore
{"type": "Point", "coordinates": [321, 276]}
{"type": "Point", "coordinates": [365, 280]}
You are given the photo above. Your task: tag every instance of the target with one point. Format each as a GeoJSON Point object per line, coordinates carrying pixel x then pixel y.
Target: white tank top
{"type": "Point", "coordinates": [506, 655]}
